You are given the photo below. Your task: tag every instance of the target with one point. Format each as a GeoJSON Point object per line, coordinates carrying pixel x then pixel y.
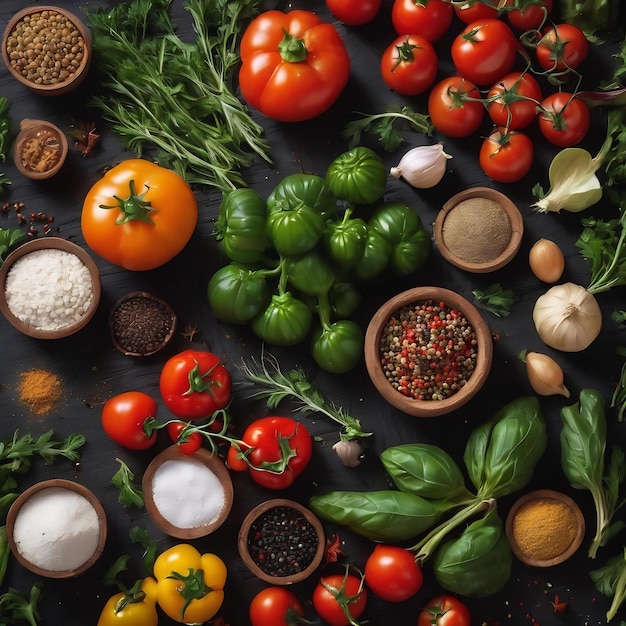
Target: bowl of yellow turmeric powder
{"type": "Point", "coordinates": [544, 528]}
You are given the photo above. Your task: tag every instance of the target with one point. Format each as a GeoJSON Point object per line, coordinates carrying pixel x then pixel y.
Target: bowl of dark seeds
{"type": "Point", "coordinates": [141, 324]}
{"type": "Point", "coordinates": [281, 541]}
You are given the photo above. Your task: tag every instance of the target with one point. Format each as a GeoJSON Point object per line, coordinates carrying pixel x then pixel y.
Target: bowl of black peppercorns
{"type": "Point", "coordinates": [141, 324]}
{"type": "Point", "coordinates": [281, 541]}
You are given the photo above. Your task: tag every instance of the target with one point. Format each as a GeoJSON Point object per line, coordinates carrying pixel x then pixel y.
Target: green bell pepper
{"type": "Point", "coordinates": [344, 240]}
{"type": "Point", "coordinates": [375, 257]}
{"type": "Point", "coordinates": [338, 347]}
{"type": "Point", "coordinates": [310, 273]}
{"type": "Point", "coordinates": [344, 299]}
{"type": "Point", "coordinates": [286, 321]}
{"type": "Point", "coordinates": [240, 225]}
{"type": "Point", "coordinates": [358, 176]}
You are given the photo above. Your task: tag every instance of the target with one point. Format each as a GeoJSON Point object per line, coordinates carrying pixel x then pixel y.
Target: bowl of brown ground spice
{"type": "Point", "coordinates": [544, 528]}
{"type": "Point", "coordinates": [479, 230]}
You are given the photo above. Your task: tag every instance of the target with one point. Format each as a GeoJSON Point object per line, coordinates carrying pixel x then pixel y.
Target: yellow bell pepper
{"type": "Point", "coordinates": [190, 585]}
{"type": "Point", "coordinates": [136, 607]}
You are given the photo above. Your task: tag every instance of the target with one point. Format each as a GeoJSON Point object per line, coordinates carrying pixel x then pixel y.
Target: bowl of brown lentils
{"type": "Point", "coordinates": [47, 49]}
{"type": "Point", "coordinates": [428, 351]}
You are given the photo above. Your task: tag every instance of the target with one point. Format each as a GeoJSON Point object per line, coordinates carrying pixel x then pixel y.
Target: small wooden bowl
{"type": "Point", "coordinates": [209, 461]}
{"type": "Point", "coordinates": [48, 243]}
{"type": "Point", "coordinates": [122, 343]}
{"type": "Point", "coordinates": [428, 408]}
{"type": "Point", "coordinates": [244, 548]}
{"type": "Point", "coordinates": [542, 528]}
{"type": "Point", "coordinates": [73, 80]}
{"type": "Point", "coordinates": [508, 251]}
{"type": "Point", "coordinates": [38, 490]}
{"type": "Point", "coordinates": [43, 133]}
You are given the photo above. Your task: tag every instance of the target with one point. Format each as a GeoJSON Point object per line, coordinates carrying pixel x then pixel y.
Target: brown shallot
{"type": "Point", "coordinates": [546, 260]}
{"type": "Point", "coordinates": [544, 374]}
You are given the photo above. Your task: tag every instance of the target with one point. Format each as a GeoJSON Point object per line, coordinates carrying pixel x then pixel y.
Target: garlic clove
{"type": "Point", "coordinates": [546, 260]}
{"type": "Point", "coordinates": [422, 167]}
{"type": "Point", "coordinates": [349, 451]}
{"type": "Point", "coordinates": [544, 374]}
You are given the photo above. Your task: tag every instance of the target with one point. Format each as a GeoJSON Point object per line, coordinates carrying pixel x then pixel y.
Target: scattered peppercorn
{"type": "Point", "coordinates": [428, 350]}
{"type": "Point", "coordinates": [282, 542]}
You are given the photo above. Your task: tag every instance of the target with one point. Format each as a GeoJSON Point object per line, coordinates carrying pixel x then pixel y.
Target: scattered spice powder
{"type": "Point", "coordinates": [477, 230]}
{"type": "Point", "coordinates": [544, 528]}
{"type": "Point", "coordinates": [39, 390]}
{"type": "Point", "coordinates": [40, 151]}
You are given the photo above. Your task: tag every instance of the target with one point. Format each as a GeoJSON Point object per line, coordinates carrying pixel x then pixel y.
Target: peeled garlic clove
{"type": "Point", "coordinates": [544, 374]}
{"type": "Point", "coordinates": [349, 451]}
{"type": "Point", "coordinates": [422, 167]}
{"type": "Point", "coordinates": [546, 260]}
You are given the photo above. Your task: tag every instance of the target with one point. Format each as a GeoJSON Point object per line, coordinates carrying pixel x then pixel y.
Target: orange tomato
{"type": "Point", "coordinates": [139, 215]}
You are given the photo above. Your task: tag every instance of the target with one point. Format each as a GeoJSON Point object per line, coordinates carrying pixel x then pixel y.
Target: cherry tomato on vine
{"type": "Point", "coordinates": [187, 443]}
{"type": "Point", "coordinates": [512, 102]}
{"type": "Point", "coordinates": [336, 589]}
{"type": "Point", "coordinates": [444, 610]}
{"type": "Point", "coordinates": [275, 606]}
{"type": "Point", "coordinates": [528, 14]}
{"type": "Point", "coordinates": [409, 65]}
{"type": "Point", "coordinates": [562, 47]}
{"type": "Point", "coordinates": [469, 11]}
{"type": "Point", "coordinates": [354, 12]}
{"type": "Point", "coordinates": [428, 18]}
{"type": "Point", "coordinates": [564, 120]}
{"type": "Point", "coordinates": [506, 156]}
{"type": "Point", "coordinates": [124, 416]}
{"type": "Point", "coordinates": [392, 573]}
{"type": "Point", "coordinates": [455, 107]}
{"type": "Point", "coordinates": [484, 51]}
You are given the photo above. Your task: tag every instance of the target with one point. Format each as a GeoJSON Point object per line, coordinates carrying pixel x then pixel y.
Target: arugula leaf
{"type": "Point", "coordinates": [610, 581]}
{"type": "Point", "coordinates": [618, 398]}
{"type": "Point", "coordinates": [129, 494]}
{"type": "Point", "coordinates": [495, 299]}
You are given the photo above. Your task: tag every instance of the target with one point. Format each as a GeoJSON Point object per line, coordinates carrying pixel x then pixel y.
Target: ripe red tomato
{"type": "Point", "coordinates": [354, 12]}
{"type": "Point", "coordinates": [428, 18]}
{"type": "Point", "coordinates": [187, 442]}
{"type": "Point", "coordinates": [124, 416]}
{"type": "Point", "coordinates": [528, 14]}
{"type": "Point", "coordinates": [562, 47]}
{"type": "Point", "coordinates": [506, 156]}
{"type": "Point", "coordinates": [409, 65]}
{"type": "Point", "coordinates": [275, 606]}
{"type": "Point", "coordinates": [455, 107]}
{"type": "Point", "coordinates": [484, 51]}
{"type": "Point", "coordinates": [392, 573]}
{"type": "Point", "coordinates": [444, 610]}
{"type": "Point", "coordinates": [334, 589]}
{"type": "Point", "coordinates": [469, 11]}
{"type": "Point", "coordinates": [564, 120]}
{"type": "Point", "coordinates": [512, 102]}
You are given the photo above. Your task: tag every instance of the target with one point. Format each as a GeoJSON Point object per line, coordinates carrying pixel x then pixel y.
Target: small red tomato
{"type": "Point", "coordinates": [337, 593]}
{"type": "Point", "coordinates": [506, 157]}
{"type": "Point", "coordinates": [428, 18]}
{"type": "Point", "coordinates": [409, 65]}
{"type": "Point", "coordinates": [455, 107]}
{"type": "Point", "coordinates": [354, 12]}
{"type": "Point", "coordinates": [392, 573]}
{"type": "Point", "coordinates": [528, 14]}
{"type": "Point", "coordinates": [275, 606]}
{"type": "Point", "coordinates": [564, 119]}
{"type": "Point", "coordinates": [563, 47]}
{"type": "Point", "coordinates": [444, 610]}
{"type": "Point", "coordinates": [469, 11]}
{"type": "Point", "coordinates": [512, 102]}
{"type": "Point", "coordinates": [124, 417]}
{"type": "Point", "coordinates": [187, 442]}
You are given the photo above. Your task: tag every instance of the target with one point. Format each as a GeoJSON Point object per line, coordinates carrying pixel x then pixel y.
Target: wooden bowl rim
{"type": "Point", "coordinates": [550, 494]}
{"type": "Point", "coordinates": [428, 408]}
{"type": "Point", "coordinates": [26, 126]}
{"type": "Point", "coordinates": [209, 460]}
{"type": "Point", "coordinates": [242, 541]}
{"type": "Point", "coordinates": [55, 243]}
{"type": "Point", "coordinates": [63, 484]}
{"type": "Point", "coordinates": [517, 230]}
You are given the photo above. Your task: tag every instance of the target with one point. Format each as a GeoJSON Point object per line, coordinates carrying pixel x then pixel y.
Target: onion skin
{"type": "Point", "coordinates": [546, 261]}
{"type": "Point", "coordinates": [544, 374]}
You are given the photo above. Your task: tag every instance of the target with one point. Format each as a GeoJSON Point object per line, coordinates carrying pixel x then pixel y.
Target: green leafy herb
{"type": "Point", "coordinates": [589, 15]}
{"type": "Point", "coordinates": [8, 238]}
{"type": "Point", "coordinates": [382, 125]}
{"type": "Point", "coordinates": [277, 386]}
{"type": "Point", "coordinates": [174, 97]}
{"type": "Point", "coordinates": [140, 536]}
{"type": "Point", "coordinates": [610, 581]}
{"type": "Point", "coordinates": [16, 607]}
{"type": "Point", "coordinates": [495, 299]}
{"type": "Point", "coordinates": [112, 574]}
{"type": "Point", "coordinates": [129, 494]}
{"type": "Point", "coordinates": [618, 399]}
{"type": "Point", "coordinates": [5, 552]}
{"type": "Point", "coordinates": [619, 317]}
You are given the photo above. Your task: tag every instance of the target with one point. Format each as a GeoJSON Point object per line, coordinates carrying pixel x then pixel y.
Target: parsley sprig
{"type": "Point", "coordinates": [129, 493]}
{"type": "Point", "coordinates": [495, 299]}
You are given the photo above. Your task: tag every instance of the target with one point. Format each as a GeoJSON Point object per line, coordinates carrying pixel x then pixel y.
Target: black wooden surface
{"type": "Point", "coordinates": [92, 370]}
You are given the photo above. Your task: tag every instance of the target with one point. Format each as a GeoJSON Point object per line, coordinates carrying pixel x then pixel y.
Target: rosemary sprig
{"type": "Point", "coordinates": [276, 386]}
{"type": "Point", "coordinates": [129, 494]}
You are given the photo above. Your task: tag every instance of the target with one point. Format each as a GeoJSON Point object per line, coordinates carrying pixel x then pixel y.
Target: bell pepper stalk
{"type": "Point", "coordinates": [132, 607]}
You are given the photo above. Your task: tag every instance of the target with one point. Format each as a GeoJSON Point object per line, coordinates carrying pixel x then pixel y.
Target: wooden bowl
{"type": "Point", "coordinates": [545, 555]}
{"type": "Point", "coordinates": [200, 466]}
{"type": "Point", "coordinates": [296, 512]}
{"type": "Point", "coordinates": [141, 309]}
{"type": "Point", "coordinates": [430, 407]}
{"type": "Point", "coordinates": [497, 230]}
{"type": "Point", "coordinates": [31, 513]}
{"type": "Point", "coordinates": [40, 149]}
{"type": "Point", "coordinates": [21, 322]}
{"type": "Point", "coordinates": [80, 65]}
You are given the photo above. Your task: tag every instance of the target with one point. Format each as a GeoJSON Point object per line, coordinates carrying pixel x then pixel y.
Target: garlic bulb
{"type": "Point", "coordinates": [349, 451]}
{"type": "Point", "coordinates": [544, 374]}
{"type": "Point", "coordinates": [546, 260]}
{"type": "Point", "coordinates": [567, 317]}
{"type": "Point", "coordinates": [422, 167]}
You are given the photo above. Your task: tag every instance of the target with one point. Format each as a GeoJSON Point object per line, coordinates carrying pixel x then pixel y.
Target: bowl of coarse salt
{"type": "Point", "coordinates": [187, 495]}
{"type": "Point", "coordinates": [49, 288]}
{"type": "Point", "coordinates": [56, 528]}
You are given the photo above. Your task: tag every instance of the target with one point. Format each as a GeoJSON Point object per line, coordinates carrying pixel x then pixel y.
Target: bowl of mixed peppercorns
{"type": "Point", "coordinates": [428, 351]}
{"type": "Point", "coordinates": [281, 541]}
{"type": "Point", "coordinates": [47, 49]}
